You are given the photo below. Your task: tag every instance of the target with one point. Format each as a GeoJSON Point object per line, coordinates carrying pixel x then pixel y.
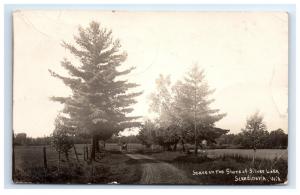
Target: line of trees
{"type": "Point", "coordinates": [276, 139]}
{"type": "Point", "coordinates": [255, 136]}
{"type": "Point", "coordinates": [40, 141]}
{"type": "Point", "coordinates": [23, 139]}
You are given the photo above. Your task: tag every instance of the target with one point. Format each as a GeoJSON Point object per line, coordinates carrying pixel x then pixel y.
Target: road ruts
{"type": "Point", "coordinates": [158, 172]}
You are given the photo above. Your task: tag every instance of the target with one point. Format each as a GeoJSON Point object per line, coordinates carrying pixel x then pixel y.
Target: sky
{"type": "Point", "coordinates": [244, 55]}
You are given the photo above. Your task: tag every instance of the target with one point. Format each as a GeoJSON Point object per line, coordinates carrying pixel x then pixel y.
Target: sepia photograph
{"type": "Point", "coordinates": [150, 97]}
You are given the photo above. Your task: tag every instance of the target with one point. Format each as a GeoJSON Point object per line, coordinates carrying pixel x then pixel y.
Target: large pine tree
{"type": "Point", "coordinates": [100, 100]}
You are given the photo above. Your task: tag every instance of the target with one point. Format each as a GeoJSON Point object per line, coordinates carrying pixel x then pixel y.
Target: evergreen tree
{"type": "Point", "coordinates": [100, 100]}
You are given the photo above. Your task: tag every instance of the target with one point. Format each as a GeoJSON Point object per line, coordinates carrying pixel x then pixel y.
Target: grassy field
{"type": "Point", "coordinates": [110, 167]}
{"type": "Point", "coordinates": [260, 153]}
{"type": "Point", "coordinates": [247, 153]}
{"type": "Point", "coordinates": [31, 156]}
{"type": "Point", "coordinates": [228, 162]}
{"type": "Point", "coordinates": [228, 170]}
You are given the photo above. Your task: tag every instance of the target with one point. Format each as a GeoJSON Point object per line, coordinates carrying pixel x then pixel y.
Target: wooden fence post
{"type": "Point", "coordinates": [45, 158]}
{"type": "Point", "coordinates": [92, 170]}
{"type": "Point", "coordinates": [75, 153]}
{"type": "Point", "coordinates": [87, 152]}
{"type": "Point", "coordinates": [58, 161]}
{"type": "Point", "coordinates": [84, 158]}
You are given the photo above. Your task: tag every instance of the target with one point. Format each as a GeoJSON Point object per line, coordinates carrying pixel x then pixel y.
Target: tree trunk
{"type": "Point", "coordinates": [67, 155]}
{"type": "Point", "coordinates": [175, 147]}
{"type": "Point", "coordinates": [183, 148]}
{"type": "Point", "coordinates": [93, 149]}
{"type": "Point", "coordinates": [97, 144]}
{"type": "Point", "coordinates": [196, 147]}
{"type": "Point", "coordinates": [254, 156]}
{"type": "Point", "coordinates": [195, 123]}
{"type": "Point", "coordinates": [75, 153]}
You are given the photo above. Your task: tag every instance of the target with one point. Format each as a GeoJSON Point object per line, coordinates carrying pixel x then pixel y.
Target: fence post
{"type": "Point", "coordinates": [75, 153]}
{"type": "Point", "coordinates": [87, 152]}
{"type": "Point", "coordinates": [92, 170]}
{"type": "Point", "coordinates": [45, 158]}
{"type": "Point", "coordinates": [84, 153]}
{"type": "Point", "coordinates": [58, 161]}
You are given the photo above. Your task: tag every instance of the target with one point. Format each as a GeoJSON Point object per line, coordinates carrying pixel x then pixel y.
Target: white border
{"type": "Point", "coordinates": [146, 189]}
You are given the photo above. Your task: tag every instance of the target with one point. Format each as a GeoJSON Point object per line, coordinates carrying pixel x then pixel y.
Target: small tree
{"type": "Point", "coordinates": [254, 131]}
{"type": "Point", "coordinates": [146, 134]}
{"type": "Point", "coordinates": [62, 139]}
{"type": "Point", "coordinates": [169, 130]}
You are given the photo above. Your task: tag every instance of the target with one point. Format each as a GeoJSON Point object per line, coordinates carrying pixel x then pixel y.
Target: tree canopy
{"type": "Point", "coordinates": [184, 109]}
{"type": "Point", "coordinates": [255, 130]}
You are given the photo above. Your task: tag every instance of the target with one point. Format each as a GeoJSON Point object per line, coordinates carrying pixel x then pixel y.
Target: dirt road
{"type": "Point", "coordinates": [158, 172]}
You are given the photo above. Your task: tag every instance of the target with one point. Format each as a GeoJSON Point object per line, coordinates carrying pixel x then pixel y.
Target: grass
{"type": "Point", "coordinates": [260, 153]}
{"type": "Point", "coordinates": [110, 167]}
{"type": "Point", "coordinates": [230, 171]}
{"type": "Point", "coordinates": [212, 171]}
{"type": "Point", "coordinates": [195, 167]}
{"type": "Point", "coordinates": [167, 156]}
{"type": "Point", "coordinates": [247, 153]}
